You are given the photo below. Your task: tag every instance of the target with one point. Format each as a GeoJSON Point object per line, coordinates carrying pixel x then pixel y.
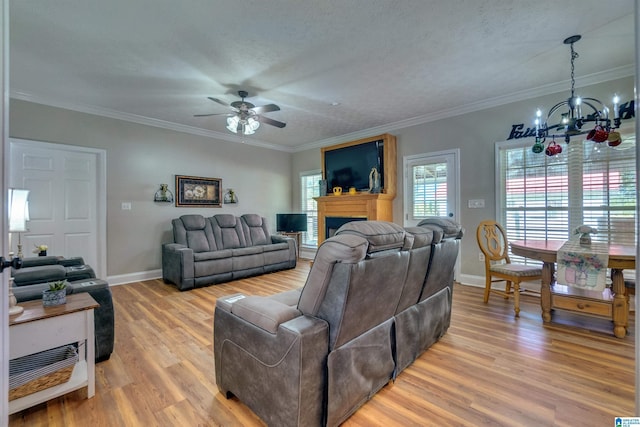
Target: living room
{"type": "Point", "coordinates": [140, 156]}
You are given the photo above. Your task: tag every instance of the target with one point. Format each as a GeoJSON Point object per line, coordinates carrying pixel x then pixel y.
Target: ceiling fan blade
{"type": "Point", "coordinates": [266, 108]}
{"type": "Point", "coordinates": [223, 103]}
{"type": "Point", "coordinates": [215, 114]}
{"type": "Point", "coordinates": [272, 122]}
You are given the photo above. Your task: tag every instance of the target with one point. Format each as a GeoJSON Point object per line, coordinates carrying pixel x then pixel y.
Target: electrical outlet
{"type": "Point", "coordinates": [480, 257]}
{"type": "Point", "coordinates": [476, 203]}
{"type": "Point", "coordinates": [126, 206]}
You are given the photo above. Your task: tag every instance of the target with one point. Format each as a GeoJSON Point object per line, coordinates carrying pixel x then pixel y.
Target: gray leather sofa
{"type": "Point", "coordinates": [37, 272]}
{"type": "Point", "coordinates": [376, 297]}
{"type": "Point", "coordinates": [223, 248]}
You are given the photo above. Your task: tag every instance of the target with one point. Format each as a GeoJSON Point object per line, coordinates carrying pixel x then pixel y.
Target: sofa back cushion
{"type": "Point", "coordinates": [357, 279]}
{"type": "Point", "coordinates": [227, 231]}
{"type": "Point", "coordinates": [381, 235]}
{"type": "Point", "coordinates": [444, 253]}
{"type": "Point", "coordinates": [194, 231]}
{"type": "Point", "coordinates": [255, 229]}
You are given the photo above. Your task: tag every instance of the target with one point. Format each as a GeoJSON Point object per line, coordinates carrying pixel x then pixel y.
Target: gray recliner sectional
{"type": "Point", "coordinates": [376, 297]}
{"type": "Point", "coordinates": [223, 248]}
{"type": "Point", "coordinates": [37, 272]}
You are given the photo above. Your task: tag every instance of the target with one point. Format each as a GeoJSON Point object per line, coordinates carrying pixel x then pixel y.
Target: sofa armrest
{"type": "Point", "coordinates": [277, 238]}
{"type": "Point", "coordinates": [178, 265]}
{"type": "Point", "coordinates": [38, 274]}
{"type": "Point", "coordinates": [280, 376]}
{"type": "Point", "coordinates": [72, 262]}
{"type": "Point", "coordinates": [263, 312]}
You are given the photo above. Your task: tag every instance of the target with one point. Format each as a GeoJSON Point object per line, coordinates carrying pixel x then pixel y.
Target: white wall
{"type": "Point", "coordinates": [475, 134]}
{"type": "Point", "coordinates": [140, 158]}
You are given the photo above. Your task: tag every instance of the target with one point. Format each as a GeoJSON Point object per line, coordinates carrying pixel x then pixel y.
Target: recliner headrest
{"type": "Point", "coordinates": [252, 220]}
{"type": "Point", "coordinates": [381, 235]}
{"type": "Point", "coordinates": [193, 222]}
{"type": "Point", "coordinates": [423, 236]}
{"type": "Point", "coordinates": [225, 220]}
{"type": "Point", "coordinates": [450, 228]}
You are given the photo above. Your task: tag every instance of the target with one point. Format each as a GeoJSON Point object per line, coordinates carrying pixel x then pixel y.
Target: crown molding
{"type": "Point", "coordinates": [596, 78]}
{"type": "Point", "coordinates": [592, 79]}
{"type": "Point", "coordinates": [142, 120]}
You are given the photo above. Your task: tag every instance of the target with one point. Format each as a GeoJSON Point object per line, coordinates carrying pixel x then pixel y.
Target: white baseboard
{"type": "Point", "coordinates": [122, 279]}
{"type": "Point", "coordinates": [308, 253]}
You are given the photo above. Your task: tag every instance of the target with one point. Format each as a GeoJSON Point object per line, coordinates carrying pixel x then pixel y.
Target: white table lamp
{"type": "Point", "coordinates": [18, 214]}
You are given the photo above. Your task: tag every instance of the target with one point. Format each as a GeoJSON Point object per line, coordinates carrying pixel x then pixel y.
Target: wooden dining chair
{"type": "Point", "coordinates": [492, 240]}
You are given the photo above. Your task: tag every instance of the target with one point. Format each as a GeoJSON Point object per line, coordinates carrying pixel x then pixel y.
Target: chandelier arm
{"type": "Point", "coordinates": [555, 108]}
{"type": "Point", "coordinates": [599, 112]}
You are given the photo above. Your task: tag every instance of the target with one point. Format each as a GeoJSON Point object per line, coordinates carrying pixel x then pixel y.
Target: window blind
{"type": "Point", "coordinates": [310, 188]}
{"type": "Point", "coordinates": [544, 197]}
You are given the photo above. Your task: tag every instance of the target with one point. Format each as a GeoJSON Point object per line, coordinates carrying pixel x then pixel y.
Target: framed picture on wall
{"type": "Point", "coordinates": [198, 191]}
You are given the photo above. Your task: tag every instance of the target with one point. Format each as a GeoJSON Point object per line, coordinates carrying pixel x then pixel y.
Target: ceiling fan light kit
{"type": "Point", "coordinates": [246, 117]}
{"type": "Point", "coordinates": [572, 120]}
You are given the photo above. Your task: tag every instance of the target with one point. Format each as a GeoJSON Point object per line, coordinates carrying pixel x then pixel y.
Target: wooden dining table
{"type": "Point", "coordinates": [553, 295]}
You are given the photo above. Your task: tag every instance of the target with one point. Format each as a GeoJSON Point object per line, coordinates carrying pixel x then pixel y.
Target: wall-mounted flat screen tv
{"type": "Point", "coordinates": [291, 222]}
{"type": "Point", "coordinates": [350, 166]}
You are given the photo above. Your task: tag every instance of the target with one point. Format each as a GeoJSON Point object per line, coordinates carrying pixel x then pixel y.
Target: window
{"type": "Point", "coordinates": [429, 190]}
{"type": "Point", "coordinates": [309, 189]}
{"type": "Point", "coordinates": [542, 197]}
{"type": "Point", "coordinates": [431, 185]}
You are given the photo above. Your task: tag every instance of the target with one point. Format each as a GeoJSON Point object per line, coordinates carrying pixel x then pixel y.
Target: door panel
{"type": "Point", "coordinates": [63, 200]}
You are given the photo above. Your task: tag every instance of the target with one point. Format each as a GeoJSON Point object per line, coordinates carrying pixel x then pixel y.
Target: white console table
{"type": "Point", "coordinates": [41, 328]}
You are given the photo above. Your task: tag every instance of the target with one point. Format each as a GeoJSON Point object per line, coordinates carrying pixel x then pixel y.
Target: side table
{"type": "Point", "coordinates": [40, 328]}
{"type": "Point", "coordinates": [296, 235]}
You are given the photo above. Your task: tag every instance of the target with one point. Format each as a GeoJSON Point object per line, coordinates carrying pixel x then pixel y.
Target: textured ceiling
{"type": "Point", "coordinates": [386, 63]}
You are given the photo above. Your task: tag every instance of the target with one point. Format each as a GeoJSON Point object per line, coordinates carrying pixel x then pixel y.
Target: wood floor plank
{"type": "Point", "coordinates": [489, 369]}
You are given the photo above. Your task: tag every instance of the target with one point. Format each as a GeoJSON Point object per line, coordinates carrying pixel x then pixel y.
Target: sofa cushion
{"type": "Point", "coordinates": [256, 230]}
{"type": "Point", "coordinates": [343, 248]}
{"type": "Point", "coordinates": [43, 273]}
{"type": "Point", "coordinates": [210, 255]}
{"type": "Point", "coordinates": [381, 235]}
{"type": "Point", "coordinates": [227, 231]}
{"type": "Point", "coordinates": [39, 261]}
{"type": "Point", "coordinates": [250, 250]}
{"type": "Point", "coordinates": [275, 247]}
{"type": "Point", "coordinates": [197, 240]}
{"type": "Point", "coordinates": [194, 231]}
{"type": "Point", "coordinates": [193, 222]}
{"type": "Point", "coordinates": [422, 236]}
{"type": "Point", "coordinates": [449, 227]}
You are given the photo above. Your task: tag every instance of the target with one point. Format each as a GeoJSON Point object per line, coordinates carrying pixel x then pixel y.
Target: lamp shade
{"type": "Point", "coordinates": [18, 210]}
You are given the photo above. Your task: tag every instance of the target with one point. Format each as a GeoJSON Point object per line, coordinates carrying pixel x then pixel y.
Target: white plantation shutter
{"type": "Point", "coordinates": [310, 188]}
{"type": "Point", "coordinates": [542, 197]}
{"type": "Point", "coordinates": [429, 182]}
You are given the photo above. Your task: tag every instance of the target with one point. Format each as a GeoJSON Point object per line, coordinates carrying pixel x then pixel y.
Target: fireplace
{"type": "Point", "coordinates": [332, 223]}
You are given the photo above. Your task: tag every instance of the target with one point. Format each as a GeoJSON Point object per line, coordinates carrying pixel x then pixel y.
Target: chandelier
{"type": "Point", "coordinates": [242, 124]}
{"type": "Point", "coordinates": [570, 118]}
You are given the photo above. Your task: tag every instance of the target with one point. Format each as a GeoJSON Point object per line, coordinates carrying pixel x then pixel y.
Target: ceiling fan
{"type": "Point", "coordinates": [246, 117]}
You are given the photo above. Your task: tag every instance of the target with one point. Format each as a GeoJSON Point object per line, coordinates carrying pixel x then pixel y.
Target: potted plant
{"type": "Point", "coordinates": [56, 294]}
{"type": "Point", "coordinates": [41, 250]}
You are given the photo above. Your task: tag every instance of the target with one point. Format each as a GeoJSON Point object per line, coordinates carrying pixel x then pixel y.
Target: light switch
{"type": "Point", "coordinates": [476, 203]}
{"type": "Point", "coordinates": [126, 206]}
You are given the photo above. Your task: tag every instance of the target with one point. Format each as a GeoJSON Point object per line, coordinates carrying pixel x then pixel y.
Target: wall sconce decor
{"type": "Point", "coordinates": [230, 196]}
{"type": "Point", "coordinates": [163, 195]}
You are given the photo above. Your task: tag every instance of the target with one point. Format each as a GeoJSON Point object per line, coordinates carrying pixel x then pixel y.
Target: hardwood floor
{"type": "Point", "coordinates": [489, 369]}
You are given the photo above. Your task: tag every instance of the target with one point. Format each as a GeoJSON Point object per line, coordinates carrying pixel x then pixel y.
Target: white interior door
{"type": "Point", "coordinates": [66, 188]}
{"type": "Point", "coordinates": [431, 186]}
